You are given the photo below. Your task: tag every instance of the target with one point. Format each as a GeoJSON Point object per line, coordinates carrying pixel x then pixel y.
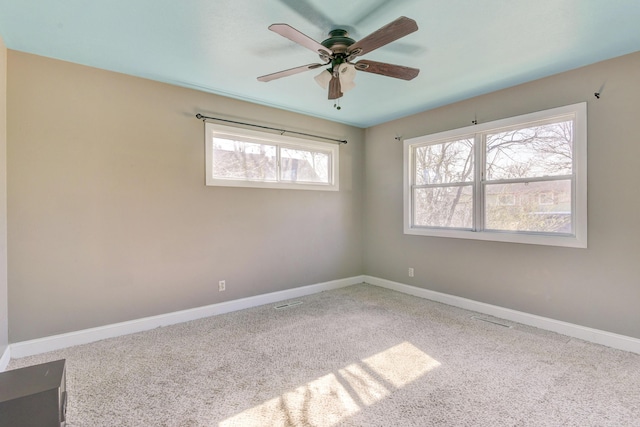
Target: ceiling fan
{"type": "Point", "coordinates": [339, 50]}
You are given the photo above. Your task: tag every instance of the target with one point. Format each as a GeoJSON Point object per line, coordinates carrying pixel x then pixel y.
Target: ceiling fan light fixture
{"type": "Point", "coordinates": [347, 75]}
{"type": "Point", "coordinates": [323, 79]}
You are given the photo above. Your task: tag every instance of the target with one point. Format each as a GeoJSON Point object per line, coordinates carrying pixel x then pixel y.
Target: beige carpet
{"type": "Point", "coordinates": [358, 356]}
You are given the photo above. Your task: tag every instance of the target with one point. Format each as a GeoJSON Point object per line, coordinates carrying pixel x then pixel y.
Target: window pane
{"type": "Point", "coordinates": [444, 207]}
{"type": "Point", "coordinates": [536, 151]}
{"type": "Point", "coordinates": [303, 165]}
{"type": "Point", "coordinates": [445, 163]}
{"type": "Point", "coordinates": [535, 206]}
{"type": "Point", "coordinates": [243, 160]}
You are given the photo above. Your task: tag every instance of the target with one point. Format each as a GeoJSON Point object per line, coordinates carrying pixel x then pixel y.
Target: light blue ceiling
{"type": "Point", "coordinates": [463, 47]}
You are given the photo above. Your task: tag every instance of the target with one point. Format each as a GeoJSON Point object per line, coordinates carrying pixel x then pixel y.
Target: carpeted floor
{"type": "Point", "coordinates": [357, 356]}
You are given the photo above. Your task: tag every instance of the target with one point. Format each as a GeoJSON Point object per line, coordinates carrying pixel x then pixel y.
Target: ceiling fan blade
{"type": "Point", "coordinates": [296, 36]}
{"type": "Point", "coordinates": [289, 72]}
{"type": "Point", "coordinates": [389, 70]}
{"type": "Point", "coordinates": [335, 91]}
{"type": "Point", "coordinates": [385, 35]}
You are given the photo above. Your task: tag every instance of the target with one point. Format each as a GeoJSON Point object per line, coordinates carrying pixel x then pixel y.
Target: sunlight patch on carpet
{"type": "Point", "coordinates": [330, 399]}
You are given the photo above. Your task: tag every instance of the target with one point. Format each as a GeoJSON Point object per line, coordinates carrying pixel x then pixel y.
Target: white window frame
{"type": "Point", "coordinates": [279, 141]}
{"type": "Point", "coordinates": [576, 239]}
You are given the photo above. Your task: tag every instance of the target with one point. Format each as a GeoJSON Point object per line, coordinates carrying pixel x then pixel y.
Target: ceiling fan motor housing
{"type": "Point", "coordinates": [338, 43]}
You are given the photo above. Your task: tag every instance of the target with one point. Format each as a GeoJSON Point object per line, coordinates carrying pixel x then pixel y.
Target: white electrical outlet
{"type": "Point", "coordinates": [410, 271]}
{"type": "Point", "coordinates": [221, 285]}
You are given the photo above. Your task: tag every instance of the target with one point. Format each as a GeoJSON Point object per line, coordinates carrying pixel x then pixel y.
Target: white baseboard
{"type": "Point", "coordinates": [597, 336]}
{"type": "Point", "coordinates": [4, 360]}
{"type": "Point", "coordinates": [85, 336]}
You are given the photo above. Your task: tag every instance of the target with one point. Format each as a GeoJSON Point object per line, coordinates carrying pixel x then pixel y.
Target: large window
{"type": "Point", "coordinates": [521, 179]}
{"type": "Point", "coordinates": [244, 158]}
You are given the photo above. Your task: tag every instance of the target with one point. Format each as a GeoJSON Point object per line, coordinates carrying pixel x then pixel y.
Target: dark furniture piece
{"type": "Point", "coordinates": [34, 396]}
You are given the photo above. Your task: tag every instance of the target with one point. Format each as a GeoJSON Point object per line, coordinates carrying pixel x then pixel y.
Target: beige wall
{"type": "Point", "coordinates": [109, 217]}
{"type": "Point", "coordinates": [4, 321]}
{"type": "Point", "coordinates": [597, 287]}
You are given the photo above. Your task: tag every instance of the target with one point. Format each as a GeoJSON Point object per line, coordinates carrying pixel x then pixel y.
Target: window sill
{"type": "Point", "coordinates": [569, 241]}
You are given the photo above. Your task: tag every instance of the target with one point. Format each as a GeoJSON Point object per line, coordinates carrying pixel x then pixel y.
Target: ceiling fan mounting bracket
{"type": "Point", "coordinates": [324, 56]}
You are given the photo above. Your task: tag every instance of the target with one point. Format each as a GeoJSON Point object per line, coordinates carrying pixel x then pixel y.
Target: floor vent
{"type": "Point", "coordinates": [287, 305]}
{"type": "Point", "coordinates": [495, 322]}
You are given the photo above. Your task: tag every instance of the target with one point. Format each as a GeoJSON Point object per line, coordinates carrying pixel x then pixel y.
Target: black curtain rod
{"type": "Point", "coordinates": [201, 117]}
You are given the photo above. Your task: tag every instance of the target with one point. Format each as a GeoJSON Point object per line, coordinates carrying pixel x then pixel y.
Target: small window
{"type": "Point", "coordinates": [521, 179]}
{"type": "Point", "coordinates": [244, 158]}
